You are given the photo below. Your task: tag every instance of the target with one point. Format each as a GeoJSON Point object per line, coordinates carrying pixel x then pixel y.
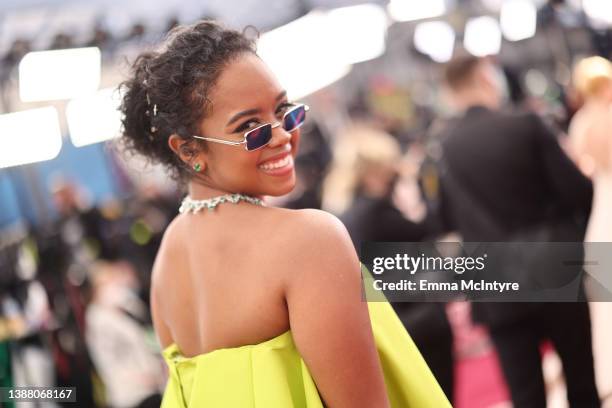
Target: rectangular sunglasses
{"type": "Point", "coordinates": [261, 135]}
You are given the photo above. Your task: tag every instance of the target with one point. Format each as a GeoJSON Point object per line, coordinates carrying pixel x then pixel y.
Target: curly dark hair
{"type": "Point", "coordinates": [167, 92]}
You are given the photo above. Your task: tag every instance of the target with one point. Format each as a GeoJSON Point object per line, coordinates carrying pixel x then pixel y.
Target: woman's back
{"type": "Point", "coordinates": [219, 297]}
{"type": "Point", "coordinates": [217, 282]}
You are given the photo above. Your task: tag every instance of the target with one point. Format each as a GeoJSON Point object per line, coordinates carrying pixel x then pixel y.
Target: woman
{"type": "Point", "coordinates": [591, 146]}
{"type": "Point", "coordinates": [591, 139]}
{"type": "Point", "coordinates": [254, 306]}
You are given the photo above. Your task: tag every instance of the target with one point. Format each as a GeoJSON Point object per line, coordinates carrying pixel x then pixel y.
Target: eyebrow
{"type": "Point", "coordinates": [253, 111]}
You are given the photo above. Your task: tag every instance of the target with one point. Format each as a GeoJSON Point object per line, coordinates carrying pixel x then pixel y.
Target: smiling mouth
{"type": "Point", "coordinates": [279, 166]}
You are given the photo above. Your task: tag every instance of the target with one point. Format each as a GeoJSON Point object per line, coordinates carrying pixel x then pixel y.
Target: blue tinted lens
{"type": "Point", "coordinates": [258, 137]}
{"type": "Point", "coordinates": [294, 118]}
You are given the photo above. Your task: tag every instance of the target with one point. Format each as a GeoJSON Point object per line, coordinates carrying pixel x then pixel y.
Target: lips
{"type": "Point", "coordinates": [277, 165]}
{"type": "Point", "coordinates": [276, 156]}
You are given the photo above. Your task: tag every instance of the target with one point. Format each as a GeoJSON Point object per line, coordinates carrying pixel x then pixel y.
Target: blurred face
{"type": "Point", "coordinates": [65, 200]}
{"type": "Point", "coordinates": [489, 78]}
{"type": "Point", "coordinates": [483, 86]}
{"type": "Point", "coordinates": [245, 96]}
{"type": "Point", "coordinates": [377, 179]}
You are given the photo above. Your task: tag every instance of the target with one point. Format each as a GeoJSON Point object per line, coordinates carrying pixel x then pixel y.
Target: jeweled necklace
{"type": "Point", "coordinates": [190, 205]}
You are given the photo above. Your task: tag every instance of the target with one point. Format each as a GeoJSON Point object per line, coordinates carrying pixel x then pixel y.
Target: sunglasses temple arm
{"type": "Point", "coordinates": [227, 142]}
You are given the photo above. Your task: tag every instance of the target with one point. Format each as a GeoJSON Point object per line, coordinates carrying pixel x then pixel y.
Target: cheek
{"type": "Point", "coordinates": [295, 142]}
{"type": "Point", "coordinates": [246, 162]}
{"type": "Point", "coordinates": [231, 163]}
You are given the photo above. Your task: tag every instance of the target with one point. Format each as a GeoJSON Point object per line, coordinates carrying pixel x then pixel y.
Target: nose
{"type": "Point", "coordinates": [280, 136]}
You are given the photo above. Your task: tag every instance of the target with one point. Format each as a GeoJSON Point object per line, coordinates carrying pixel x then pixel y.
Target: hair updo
{"type": "Point", "coordinates": [168, 90]}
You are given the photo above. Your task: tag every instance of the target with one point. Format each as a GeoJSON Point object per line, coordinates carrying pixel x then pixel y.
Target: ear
{"type": "Point", "coordinates": [188, 151]}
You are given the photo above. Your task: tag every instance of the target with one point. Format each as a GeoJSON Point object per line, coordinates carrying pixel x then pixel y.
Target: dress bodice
{"type": "Point", "coordinates": [272, 374]}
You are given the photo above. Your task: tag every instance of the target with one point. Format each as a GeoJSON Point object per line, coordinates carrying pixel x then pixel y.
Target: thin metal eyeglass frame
{"type": "Point", "coordinates": [272, 125]}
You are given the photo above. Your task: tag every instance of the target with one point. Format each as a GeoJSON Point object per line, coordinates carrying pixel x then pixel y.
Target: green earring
{"type": "Point", "coordinates": [197, 167]}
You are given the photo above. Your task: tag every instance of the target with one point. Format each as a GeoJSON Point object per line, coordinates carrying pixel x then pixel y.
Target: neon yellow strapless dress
{"type": "Point", "coordinates": [272, 374]}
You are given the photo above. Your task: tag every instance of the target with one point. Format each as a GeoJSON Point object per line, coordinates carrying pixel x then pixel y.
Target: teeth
{"type": "Point", "coordinates": [276, 164]}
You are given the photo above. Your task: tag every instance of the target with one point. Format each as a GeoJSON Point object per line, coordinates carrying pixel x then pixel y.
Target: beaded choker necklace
{"type": "Point", "coordinates": [190, 205]}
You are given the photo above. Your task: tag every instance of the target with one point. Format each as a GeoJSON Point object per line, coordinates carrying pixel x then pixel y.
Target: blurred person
{"type": "Point", "coordinates": [25, 318]}
{"type": "Point", "coordinates": [118, 340]}
{"type": "Point", "coordinates": [64, 249]}
{"type": "Point", "coordinates": [137, 31]}
{"type": "Point", "coordinates": [591, 145]}
{"type": "Point", "coordinates": [505, 175]}
{"type": "Point", "coordinates": [8, 62]}
{"type": "Point", "coordinates": [591, 139]}
{"type": "Point", "coordinates": [100, 37]}
{"type": "Point", "coordinates": [82, 226]}
{"type": "Point", "coordinates": [361, 186]}
{"type": "Point", "coordinates": [310, 165]}
{"type": "Point", "coordinates": [62, 41]}
{"type": "Point", "coordinates": [254, 305]}
{"type": "Point", "coordinates": [146, 217]}
{"type": "Point", "coordinates": [367, 172]}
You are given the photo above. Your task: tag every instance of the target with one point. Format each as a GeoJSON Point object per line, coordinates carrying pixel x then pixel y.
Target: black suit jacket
{"type": "Point", "coordinates": [512, 167]}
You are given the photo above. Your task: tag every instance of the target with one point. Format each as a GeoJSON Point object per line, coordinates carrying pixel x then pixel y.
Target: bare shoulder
{"type": "Point", "coordinates": [314, 229]}
{"type": "Point", "coordinates": [315, 244]}
{"type": "Point", "coordinates": [308, 222]}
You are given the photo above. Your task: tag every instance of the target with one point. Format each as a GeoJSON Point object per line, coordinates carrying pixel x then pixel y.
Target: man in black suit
{"type": "Point", "coordinates": [508, 169]}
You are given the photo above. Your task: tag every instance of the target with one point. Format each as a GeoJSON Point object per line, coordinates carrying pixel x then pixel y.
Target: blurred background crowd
{"type": "Point", "coordinates": [80, 222]}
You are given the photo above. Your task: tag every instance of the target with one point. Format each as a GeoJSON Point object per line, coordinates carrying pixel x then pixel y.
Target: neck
{"type": "Point", "coordinates": [468, 99]}
{"type": "Point", "coordinates": [197, 190]}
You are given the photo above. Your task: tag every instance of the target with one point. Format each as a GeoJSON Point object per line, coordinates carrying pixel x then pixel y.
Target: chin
{"type": "Point", "coordinates": [280, 187]}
